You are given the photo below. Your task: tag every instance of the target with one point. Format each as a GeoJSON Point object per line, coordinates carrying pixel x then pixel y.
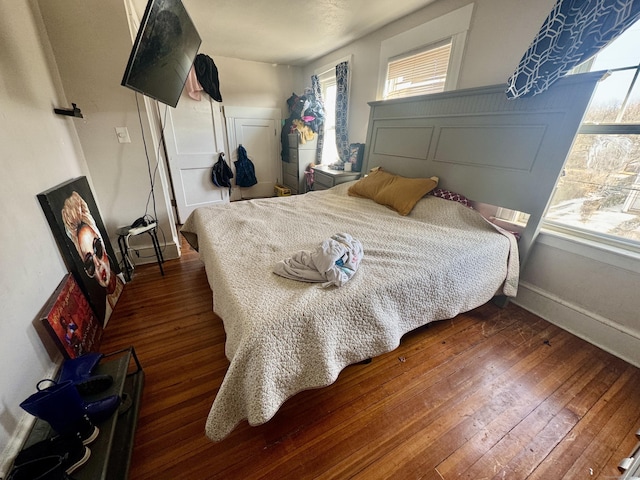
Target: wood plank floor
{"type": "Point", "coordinates": [492, 394]}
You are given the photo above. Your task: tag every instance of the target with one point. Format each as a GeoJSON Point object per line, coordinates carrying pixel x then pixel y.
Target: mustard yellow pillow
{"type": "Point", "coordinates": [396, 192]}
{"type": "Point", "coordinates": [368, 186]}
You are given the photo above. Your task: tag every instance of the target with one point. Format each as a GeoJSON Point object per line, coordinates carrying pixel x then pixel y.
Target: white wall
{"type": "Point", "coordinates": [38, 150]}
{"type": "Point", "coordinates": [254, 84]}
{"type": "Point", "coordinates": [581, 288]}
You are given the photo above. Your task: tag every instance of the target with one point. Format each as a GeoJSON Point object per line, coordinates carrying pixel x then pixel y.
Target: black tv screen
{"type": "Point", "coordinates": [165, 48]}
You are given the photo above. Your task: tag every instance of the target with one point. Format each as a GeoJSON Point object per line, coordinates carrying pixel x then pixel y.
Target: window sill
{"type": "Point", "coordinates": [599, 252]}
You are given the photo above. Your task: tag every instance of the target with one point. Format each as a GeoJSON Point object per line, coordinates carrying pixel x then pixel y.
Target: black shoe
{"type": "Point", "coordinates": [87, 431]}
{"type": "Point", "coordinates": [94, 384]}
{"type": "Point", "coordinates": [68, 447]}
{"type": "Point", "coordinates": [102, 409]}
{"type": "Point", "coordinates": [80, 372]}
{"type": "Point", "coordinates": [45, 468]}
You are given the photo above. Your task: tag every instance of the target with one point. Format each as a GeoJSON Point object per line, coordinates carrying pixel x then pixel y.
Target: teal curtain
{"type": "Point", "coordinates": [574, 31]}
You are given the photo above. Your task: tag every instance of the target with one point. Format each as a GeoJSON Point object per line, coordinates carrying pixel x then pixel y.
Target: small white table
{"type": "Point", "coordinates": [324, 177]}
{"type": "Point", "coordinates": [124, 233]}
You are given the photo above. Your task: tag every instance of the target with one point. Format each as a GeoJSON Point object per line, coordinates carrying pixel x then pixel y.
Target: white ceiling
{"type": "Point", "coordinates": [290, 32]}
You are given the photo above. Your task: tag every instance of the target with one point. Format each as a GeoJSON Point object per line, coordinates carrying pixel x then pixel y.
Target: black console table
{"type": "Point", "coordinates": [111, 451]}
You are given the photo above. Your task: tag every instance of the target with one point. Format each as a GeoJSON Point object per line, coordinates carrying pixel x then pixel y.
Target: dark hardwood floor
{"type": "Point", "coordinates": [494, 393]}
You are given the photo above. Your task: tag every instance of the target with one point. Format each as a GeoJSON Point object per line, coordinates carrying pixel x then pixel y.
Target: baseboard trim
{"type": "Point", "coordinates": [15, 443]}
{"type": "Point", "coordinates": [600, 331]}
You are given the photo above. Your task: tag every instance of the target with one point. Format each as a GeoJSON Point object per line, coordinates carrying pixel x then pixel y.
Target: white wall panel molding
{"type": "Point", "coordinates": [596, 329]}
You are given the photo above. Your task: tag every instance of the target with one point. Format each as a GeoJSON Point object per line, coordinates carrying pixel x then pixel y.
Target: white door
{"type": "Point", "coordinates": [195, 136]}
{"type": "Point", "coordinates": [257, 130]}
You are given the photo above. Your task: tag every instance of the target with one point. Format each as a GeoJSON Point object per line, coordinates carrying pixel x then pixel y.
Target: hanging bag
{"type": "Point", "coordinates": [245, 170]}
{"type": "Point", "coordinates": [221, 173]}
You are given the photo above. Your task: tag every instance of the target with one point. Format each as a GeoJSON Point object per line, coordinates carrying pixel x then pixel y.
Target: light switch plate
{"type": "Point", "coordinates": [123, 135]}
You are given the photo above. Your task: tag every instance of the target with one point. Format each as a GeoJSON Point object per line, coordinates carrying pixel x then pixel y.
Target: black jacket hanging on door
{"type": "Point", "coordinates": [245, 171]}
{"type": "Point", "coordinates": [207, 74]}
{"type": "Point", "coordinates": [221, 173]}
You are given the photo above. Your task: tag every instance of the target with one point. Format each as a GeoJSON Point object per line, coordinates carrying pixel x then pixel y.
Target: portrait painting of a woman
{"type": "Point", "coordinates": [81, 229]}
{"type": "Point", "coordinates": [84, 243]}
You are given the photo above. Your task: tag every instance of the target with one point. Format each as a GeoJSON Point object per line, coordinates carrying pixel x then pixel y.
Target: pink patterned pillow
{"type": "Point", "coordinates": [456, 197]}
{"type": "Point", "coordinates": [449, 195]}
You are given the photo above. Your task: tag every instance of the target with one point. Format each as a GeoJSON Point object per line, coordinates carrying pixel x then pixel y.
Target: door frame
{"type": "Point", "coordinates": [231, 114]}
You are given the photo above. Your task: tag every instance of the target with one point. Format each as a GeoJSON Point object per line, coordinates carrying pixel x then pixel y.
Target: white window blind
{"type": "Point", "coordinates": [418, 73]}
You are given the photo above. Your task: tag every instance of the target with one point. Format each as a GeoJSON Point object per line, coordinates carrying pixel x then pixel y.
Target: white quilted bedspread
{"type": "Point", "coordinates": [285, 336]}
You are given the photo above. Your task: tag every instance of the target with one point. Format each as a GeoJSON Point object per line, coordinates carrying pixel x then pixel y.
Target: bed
{"type": "Point", "coordinates": [442, 258]}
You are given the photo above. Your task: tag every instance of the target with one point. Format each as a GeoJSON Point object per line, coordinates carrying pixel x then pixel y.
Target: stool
{"type": "Point", "coordinates": [124, 233]}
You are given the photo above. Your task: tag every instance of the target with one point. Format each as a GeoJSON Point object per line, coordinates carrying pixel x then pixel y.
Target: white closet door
{"type": "Point", "coordinates": [257, 130]}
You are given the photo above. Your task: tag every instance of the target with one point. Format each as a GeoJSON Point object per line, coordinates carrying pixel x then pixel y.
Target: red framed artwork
{"type": "Point", "coordinates": [71, 321]}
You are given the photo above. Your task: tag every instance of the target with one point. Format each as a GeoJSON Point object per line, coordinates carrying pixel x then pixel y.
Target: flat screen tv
{"type": "Point", "coordinates": [166, 45]}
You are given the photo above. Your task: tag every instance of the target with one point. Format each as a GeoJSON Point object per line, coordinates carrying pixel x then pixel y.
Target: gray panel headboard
{"type": "Point", "coordinates": [493, 150]}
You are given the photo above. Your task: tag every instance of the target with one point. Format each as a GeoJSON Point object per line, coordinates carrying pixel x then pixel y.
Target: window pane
{"type": "Point", "coordinates": [600, 186]}
{"type": "Point", "coordinates": [329, 149]}
{"type": "Point", "coordinates": [622, 52]}
{"type": "Point", "coordinates": [632, 111]}
{"type": "Point", "coordinates": [419, 73]}
{"type": "Point", "coordinates": [608, 97]}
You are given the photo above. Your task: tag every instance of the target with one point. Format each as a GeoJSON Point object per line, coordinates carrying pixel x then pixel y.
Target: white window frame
{"type": "Point", "coordinates": [602, 241]}
{"type": "Point", "coordinates": [453, 25]}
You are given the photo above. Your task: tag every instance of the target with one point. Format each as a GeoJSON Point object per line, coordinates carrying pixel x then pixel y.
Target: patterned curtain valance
{"type": "Point", "coordinates": [574, 31]}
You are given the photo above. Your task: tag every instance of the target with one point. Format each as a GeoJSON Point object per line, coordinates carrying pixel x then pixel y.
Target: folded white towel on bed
{"type": "Point", "coordinates": [333, 262]}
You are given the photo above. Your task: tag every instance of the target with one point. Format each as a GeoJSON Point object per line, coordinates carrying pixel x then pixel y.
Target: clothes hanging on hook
{"type": "Point", "coordinates": [221, 173]}
{"type": "Point", "coordinates": [193, 85]}
{"type": "Point", "coordinates": [207, 74]}
{"type": "Point", "coordinates": [245, 170]}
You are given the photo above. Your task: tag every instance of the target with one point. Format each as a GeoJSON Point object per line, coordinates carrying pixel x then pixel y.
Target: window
{"type": "Point", "coordinates": [598, 194]}
{"type": "Point", "coordinates": [418, 73]}
{"type": "Point", "coordinates": [329, 88]}
{"type": "Point", "coordinates": [426, 58]}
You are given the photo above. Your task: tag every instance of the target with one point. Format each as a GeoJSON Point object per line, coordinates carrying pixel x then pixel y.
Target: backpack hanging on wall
{"type": "Point", "coordinates": [245, 171]}
{"type": "Point", "coordinates": [221, 173]}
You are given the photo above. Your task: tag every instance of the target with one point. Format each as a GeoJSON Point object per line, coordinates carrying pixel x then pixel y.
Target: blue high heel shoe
{"type": "Point", "coordinates": [80, 371]}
